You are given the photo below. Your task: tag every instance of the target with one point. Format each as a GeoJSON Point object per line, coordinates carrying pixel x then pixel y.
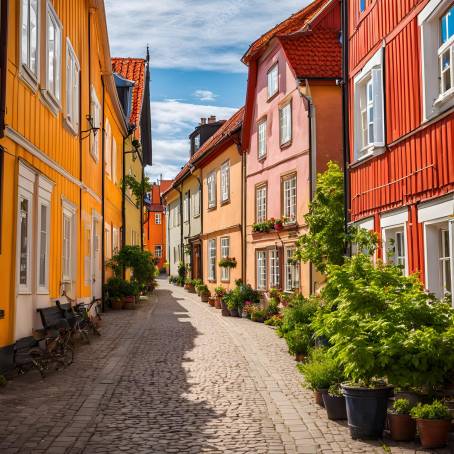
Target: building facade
{"type": "Point", "coordinates": [293, 100]}
{"type": "Point", "coordinates": [401, 170]}
{"type": "Point", "coordinates": [60, 93]}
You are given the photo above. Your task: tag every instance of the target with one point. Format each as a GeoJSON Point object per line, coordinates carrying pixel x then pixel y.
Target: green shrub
{"type": "Point", "coordinates": [321, 371]}
{"type": "Point", "coordinates": [220, 291]}
{"type": "Point", "coordinates": [300, 311]}
{"type": "Point", "coordinates": [203, 289]}
{"type": "Point", "coordinates": [435, 410]}
{"type": "Point", "coordinates": [182, 270]}
{"type": "Point", "coordinates": [258, 315]}
{"type": "Point", "coordinates": [401, 407]}
{"type": "Point", "coordinates": [299, 339]}
{"type": "Point", "coordinates": [275, 320]}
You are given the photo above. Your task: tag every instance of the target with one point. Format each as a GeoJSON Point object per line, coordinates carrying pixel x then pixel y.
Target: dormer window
{"type": "Point", "coordinates": [273, 81]}
{"type": "Point", "coordinates": [196, 142]}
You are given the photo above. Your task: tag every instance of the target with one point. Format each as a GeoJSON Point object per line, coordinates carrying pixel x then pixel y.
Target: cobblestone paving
{"type": "Point", "coordinates": [174, 377]}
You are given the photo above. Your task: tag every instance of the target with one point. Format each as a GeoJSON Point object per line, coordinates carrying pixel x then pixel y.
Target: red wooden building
{"type": "Point", "coordinates": [401, 131]}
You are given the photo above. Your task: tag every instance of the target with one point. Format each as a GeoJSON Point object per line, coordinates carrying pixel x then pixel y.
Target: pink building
{"type": "Point", "coordinates": [292, 128]}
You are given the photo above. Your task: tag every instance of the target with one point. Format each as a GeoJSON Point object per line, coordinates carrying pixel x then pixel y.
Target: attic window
{"type": "Point", "coordinates": [273, 81]}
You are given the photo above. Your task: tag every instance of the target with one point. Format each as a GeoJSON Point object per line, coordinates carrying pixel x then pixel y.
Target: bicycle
{"type": "Point", "coordinates": [84, 311]}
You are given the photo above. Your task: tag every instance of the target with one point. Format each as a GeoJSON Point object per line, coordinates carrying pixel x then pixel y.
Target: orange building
{"type": "Point", "coordinates": [155, 223]}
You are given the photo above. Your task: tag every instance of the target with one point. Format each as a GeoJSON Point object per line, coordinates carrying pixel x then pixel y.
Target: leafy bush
{"type": "Point", "coordinates": [299, 339]}
{"type": "Point", "coordinates": [189, 281]}
{"type": "Point", "coordinates": [275, 320]}
{"type": "Point", "coordinates": [116, 288]}
{"type": "Point", "coordinates": [182, 270]}
{"type": "Point", "coordinates": [203, 289]}
{"type": "Point", "coordinates": [220, 291]}
{"type": "Point", "coordinates": [236, 298]}
{"type": "Point", "coordinates": [273, 308]}
{"type": "Point", "coordinates": [435, 410]}
{"type": "Point", "coordinates": [382, 325]}
{"type": "Point", "coordinates": [321, 371]}
{"type": "Point", "coordinates": [257, 314]}
{"type": "Point", "coordinates": [401, 407]}
{"type": "Point", "coordinates": [228, 262]}
{"type": "Point", "coordinates": [300, 311]}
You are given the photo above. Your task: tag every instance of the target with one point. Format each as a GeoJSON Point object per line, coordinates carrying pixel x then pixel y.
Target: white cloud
{"type": "Point", "coordinates": [205, 95]}
{"type": "Point", "coordinates": [193, 34]}
{"type": "Point", "coordinates": [172, 120]}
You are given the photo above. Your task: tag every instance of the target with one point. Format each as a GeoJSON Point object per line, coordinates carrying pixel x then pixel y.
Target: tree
{"type": "Point", "coordinates": [139, 188]}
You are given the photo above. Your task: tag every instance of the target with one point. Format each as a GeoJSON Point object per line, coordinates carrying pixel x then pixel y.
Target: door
{"type": "Point", "coordinates": [196, 261]}
{"type": "Point", "coordinates": [96, 288]}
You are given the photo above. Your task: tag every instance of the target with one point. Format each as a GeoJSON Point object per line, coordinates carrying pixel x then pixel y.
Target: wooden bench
{"type": "Point", "coordinates": [53, 317]}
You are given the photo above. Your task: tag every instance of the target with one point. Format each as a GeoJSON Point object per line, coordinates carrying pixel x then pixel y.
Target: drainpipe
{"type": "Point", "coordinates": [123, 195]}
{"type": "Point", "coordinates": [181, 225]}
{"type": "Point", "coordinates": [243, 211]}
{"type": "Point", "coordinates": [192, 169]}
{"type": "Point", "coordinates": [346, 120]}
{"type": "Point", "coordinates": [103, 194]}
{"type": "Point", "coordinates": [141, 211]}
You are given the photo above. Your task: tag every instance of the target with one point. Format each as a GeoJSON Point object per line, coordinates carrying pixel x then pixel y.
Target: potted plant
{"type": "Point", "coordinates": [130, 295]}
{"type": "Point", "coordinates": [334, 402]}
{"type": "Point", "coordinates": [219, 293]}
{"type": "Point", "coordinates": [189, 285]}
{"type": "Point", "coordinates": [246, 312]}
{"type": "Point", "coordinates": [197, 284]}
{"type": "Point", "coordinates": [211, 301]}
{"type": "Point", "coordinates": [257, 314]}
{"type": "Point", "coordinates": [433, 422]}
{"type": "Point", "coordinates": [298, 341]}
{"type": "Point", "coordinates": [204, 293]}
{"type": "Point", "coordinates": [227, 262]}
{"type": "Point", "coordinates": [114, 290]}
{"type": "Point", "coordinates": [278, 225]}
{"type": "Point", "coordinates": [224, 301]}
{"type": "Point", "coordinates": [402, 426]}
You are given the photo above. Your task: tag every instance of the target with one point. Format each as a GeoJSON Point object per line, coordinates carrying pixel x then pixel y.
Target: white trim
{"type": "Point", "coordinates": [375, 60]}
{"type": "Point", "coordinates": [35, 151]}
{"type": "Point", "coordinates": [433, 8]}
{"type": "Point", "coordinates": [394, 218]}
{"type": "Point", "coordinates": [436, 209]}
{"type": "Point", "coordinates": [386, 230]}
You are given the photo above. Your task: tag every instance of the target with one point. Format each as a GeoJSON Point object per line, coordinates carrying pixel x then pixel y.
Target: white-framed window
{"type": "Point", "coordinates": [196, 203]}
{"type": "Point", "coordinates": [108, 147]}
{"type": "Point", "coordinates": [115, 239]}
{"type": "Point", "coordinates": [261, 203]}
{"type": "Point", "coordinates": [368, 105]}
{"type": "Point", "coordinates": [292, 271]}
{"type": "Point", "coordinates": [108, 240]}
{"type": "Point", "coordinates": [212, 260]}
{"type": "Point", "coordinates": [68, 246]}
{"type": "Point", "coordinates": [225, 182]}
{"type": "Point", "coordinates": [273, 80]}
{"type": "Point", "coordinates": [289, 198]}
{"type": "Point", "coordinates": [211, 184]}
{"type": "Point", "coordinates": [25, 240]}
{"type": "Point", "coordinates": [225, 252]}
{"type": "Point", "coordinates": [186, 207]}
{"type": "Point", "coordinates": [95, 112]}
{"type": "Point", "coordinates": [261, 137]}
{"type": "Point", "coordinates": [158, 251]}
{"type": "Point", "coordinates": [176, 215]}
{"type": "Point", "coordinates": [394, 245]}
{"type": "Point", "coordinates": [275, 275]}
{"type": "Point", "coordinates": [285, 124]}
{"type": "Point", "coordinates": [29, 39]}
{"type": "Point", "coordinates": [437, 218]}
{"type": "Point", "coordinates": [196, 143]}
{"type": "Point", "coordinates": [53, 54]}
{"type": "Point", "coordinates": [72, 87]}
{"type": "Point", "coordinates": [157, 218]}
{"type": "Point", "coordinates": [114, 160]}
{"type": "Point", "coordinates": [261, 270]}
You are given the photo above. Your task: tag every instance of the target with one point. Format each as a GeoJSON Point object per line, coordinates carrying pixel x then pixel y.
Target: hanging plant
{"type": "Point", "coordinates": [228, 262]}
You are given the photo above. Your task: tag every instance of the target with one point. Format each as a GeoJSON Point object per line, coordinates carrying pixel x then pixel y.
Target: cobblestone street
{"type": "Point", "coordinates": [173, 377]}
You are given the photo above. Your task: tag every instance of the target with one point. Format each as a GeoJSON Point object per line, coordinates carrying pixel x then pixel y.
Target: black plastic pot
{"type": "Point", "coordinates": [234, 312]}
{"type": "Point", "coordinates": [335, 407]}
{"type": "Point", "coordinates": [366, 410]}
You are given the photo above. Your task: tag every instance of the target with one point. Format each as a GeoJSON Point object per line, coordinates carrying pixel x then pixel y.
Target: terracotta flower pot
{"type": "Point", "coordinates": [211, 301]}
{"type": "Point", "coordinates": [402, 427]}
{"type": "Point", "coordinates": [300, 357]}
{"type": "Point", "coordinates": [204, 297]}
{"type": "Point", "coordinates": [433, 432]}
{"type": "Point", "coordinates": [117, 305]}
{"type": "Point", "coordinates": [318, 394]}
{"type": "Point", "coordinates": [217, 303]}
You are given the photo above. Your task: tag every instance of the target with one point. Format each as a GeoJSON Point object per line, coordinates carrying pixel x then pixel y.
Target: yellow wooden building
{"type": "Point", "coordinates": [61, 152]}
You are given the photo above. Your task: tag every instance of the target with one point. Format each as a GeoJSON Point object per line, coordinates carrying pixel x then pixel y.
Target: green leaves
{"type": "Point", "coordinates": [435, 410]}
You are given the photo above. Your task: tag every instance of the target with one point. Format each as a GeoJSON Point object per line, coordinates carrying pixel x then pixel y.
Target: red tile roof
{"type": "Point", "coordinates": [295, 23]}
{"type": "Point", "coordinates": [314, 54]}
{"type": "Point", "coordinates": [132, 69]}
{"type": "Point", "coordinates": [229, 127]}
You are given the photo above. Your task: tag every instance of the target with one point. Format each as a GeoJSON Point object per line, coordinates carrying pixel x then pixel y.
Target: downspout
{"type": "Point", "coordinates": [201, 220]}
{"type": "Point", "coordinates": [243, 211]}
{"type": "Point", "coordinates": [123, 195]}
{"type": "Point", "coordinates": [141, 209]}
{"type": "Point", "coordinates": [103, 194]}
{"type": "Point", "coordinates": [181, 225]}
{"type": "Point", "coordinates": [346, 120]}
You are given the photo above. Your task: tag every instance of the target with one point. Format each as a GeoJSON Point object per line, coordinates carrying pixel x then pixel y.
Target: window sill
{"type": "Point", "coordinates": [273, 96]}
{"type": "Point", "coordinates": [225, 202]}
{"type": "Point", "coordinates": [373, 153]}
{"type": "Point", "coordinates": [212, 208]}
{"type": "Point", "coordinates": [286, 145]}
{"type": "Point", "coordinates": [72, 129]}
{"type": "Point", "coordinates": [261, 159]}
{"type": "Point", "coordinates": [28, 78]}
{"type": "Point", "coordinates": [50, 101]}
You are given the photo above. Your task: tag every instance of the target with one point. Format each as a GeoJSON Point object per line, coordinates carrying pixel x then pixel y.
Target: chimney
{"type": "Point", "coordinates": [203, 121]}
{"type": "Point", "coordinates": [212, 119]}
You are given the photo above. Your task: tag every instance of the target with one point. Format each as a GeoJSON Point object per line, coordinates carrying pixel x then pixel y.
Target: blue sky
{"type": "Point", "coordinates": [196, 47]}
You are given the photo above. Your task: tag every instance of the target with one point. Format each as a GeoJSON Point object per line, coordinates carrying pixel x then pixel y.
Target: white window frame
{"type": "Point", "coordinates": [108, 148]}
{"type": "Point", "coordinates": [196, 203]}
{"type": "Point", "coordinates": [53, 97]}
{"type": "Point", "coordinates": [394, 225]}
{"type": "Point", "coordinates": [158, 247]}
{"type": "Point", "coordinates": [261, 258]}
{"type": "Point", "coordinates": [108, 240]}
{"type": "Point", "coordinates": [289, 198]}
{"type": "Point", "coordinates": [273, 80]}
{"type": "Point", "coordinates": [261, 203]}
{"type": "Point", "coordinates": [29, 74]}
{"type": "Point", "coordinates": [370, 78]}
{"type": "Point", "coordinates": [157, 218]}
{"type": "Point", "coordinates": [225, 182]}
{"type": "Point", "coordinates": [261, 138]}
{"type": "Point", "coordinates": [285, 124]}
{"type": "Point", "coordinates": [115, 240]}
{"type": "Point", "coordinates": [114, 160]}
{"type": "Point", "coordinates": [225, 252]}
{"type": "Point", "coordinates": [95, 112]}
{"type": "Point", "coordinates": [211, 185]}
{"type": "Point", "coordinates": [72, 88]}
{"type": "Point", "coordinates": [292, 271]}
{"type": "Point", "coordinates": [212, 260]}
{"type": "Point", "coordinates": [275, 268]}
{"type": "Point", "coordinates": [196, 143]}
{"type": "Point", "coordinates": [68, 214]}
{"type": "Point", "coordinates": [186, 206]}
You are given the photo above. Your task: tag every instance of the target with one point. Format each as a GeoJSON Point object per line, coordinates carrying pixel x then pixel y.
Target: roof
{"type": "Point", "coordinates": [226, 130]}
{"type": "Point", "coordinates": [132, 69]}
{"type": "Point", "coordinates": [314, 54]}
{"type": "Point", "coordinates": [295, 23]}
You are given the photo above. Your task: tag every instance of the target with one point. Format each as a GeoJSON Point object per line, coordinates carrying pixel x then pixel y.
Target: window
{"type": "Point", "coordinates": [25, 237]}
{"type": "Point", "coordinates": [30, 38]}
{"type": "Point", "coordinates": [114, 160]}
{"type": "Point", "coordinates": [43, 260]}
{"type": "Point", "coordinates": [273, 81]}
{"type": "Point", "coordinates": [292, 271]}
{"type": "Point", "coordinates": [72, 88]}
{"type": "Point", "coordinates": [445, 262]}
{"type": "Point", "coordinates": [211, 183]}
{"type": "Point", "coordinates": [108, 240]}
{"type": "Point", "coordinates": [186, 207]}
{"type": "Point", "coordinates": [289, 198]}
{"type": "Point", "coordinates": [108, 147]}
{"type": "Point", "coordinates": [115, 240]}
{"type": "Point", "coordinates": [369, 113]}
{"type": "Point", "coordinates": [394, 246]}
{"type": "Point", "coordinates": [285, 124]}
{"type": "Point", "coordinates": [157, 218]}
{"type": "Point", "coordinates": [95, 112]}
{"type": "Point", "coordinates": [261, 139]}
{"type": "Point", "coordinates": [53, 54]}
{"type": "Point", "coordinates": [158, 251]}
{"type": "Point", "coordinates": [225, 252]}
{"type": "Point", "coordinates": [225, 182]}
{"type": "Point", "coordinates": [275, 278]}
{"type": "Point", "coordinates": [445, 51]}
{"type": "Point", "coordinates": [211, 260]}
{"type": "Point", "coordinates": [261, 270]}
{"type": "Point", "coordinates": [196, 143]}
{"type": "Point", "coordinates": [260, 203]}
{"type": "Point", "coordinates": [68, 246]}
{"type": "Point", "coordinates": [196, 204]}
{"type": "Point", "coordinates": [175, 258]}
{"type": "Point", "coordinates": [362, 5]}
